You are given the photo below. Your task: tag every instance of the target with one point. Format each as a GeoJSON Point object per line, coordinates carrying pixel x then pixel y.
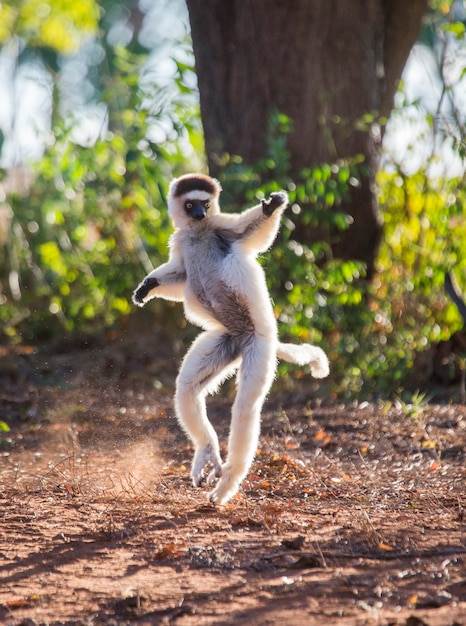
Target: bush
{"type": "Point", "coordinates": [94, 219]}
{"type": "Point", "coordinates": [372, 331]}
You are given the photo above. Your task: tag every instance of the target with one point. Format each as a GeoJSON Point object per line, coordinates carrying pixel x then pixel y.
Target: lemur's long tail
{"type": "Point", "coordinates": [305, 353]}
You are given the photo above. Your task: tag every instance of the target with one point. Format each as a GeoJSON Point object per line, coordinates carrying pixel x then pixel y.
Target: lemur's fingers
{"type": "Point", "coordinates": [277, 199]}
{"type": "Point", "coordinates": [141, 292]}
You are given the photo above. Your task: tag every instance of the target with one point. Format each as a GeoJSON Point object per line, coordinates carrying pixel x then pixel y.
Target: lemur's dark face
{"type": "Point", "coordinates": [196, 208]}
{"type": "Point", "coordinates": [193, 198]}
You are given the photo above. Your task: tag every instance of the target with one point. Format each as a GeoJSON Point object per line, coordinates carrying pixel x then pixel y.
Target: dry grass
{"type": "Point", "coordinates": [350, 515]}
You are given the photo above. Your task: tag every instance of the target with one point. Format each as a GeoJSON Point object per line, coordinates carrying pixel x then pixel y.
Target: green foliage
{"type": "Point", "coordinates": [375, 330]}
{"type": "Point", "coordinates": [74, 245]}
{"type": "Point", "coordinates": [94, 219]}
{"type": "Point", "coordinates": [372, 331]}
{"type": "Point", "coordinates": [58, 25]}
{"type": "Point", "coordinates": [404, 309]}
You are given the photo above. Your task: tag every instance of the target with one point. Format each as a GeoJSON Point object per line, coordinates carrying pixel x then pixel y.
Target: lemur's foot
{"type": "Point", "coordinates": [141, 292]}
{"type": "Point", "coordinates": [227, 486]}
{"type": "Point", "coordinates": [202, 457]}
{"type": "Point", "coordinates": [276, 200]}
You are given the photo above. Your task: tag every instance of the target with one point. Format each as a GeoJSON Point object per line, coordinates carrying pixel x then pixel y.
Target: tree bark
{"type": "Point", "coordinates": [324, 63]}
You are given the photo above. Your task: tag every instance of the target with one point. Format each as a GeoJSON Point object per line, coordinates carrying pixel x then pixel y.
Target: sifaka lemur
{"type": "Point", "coordinates": [213, 268]}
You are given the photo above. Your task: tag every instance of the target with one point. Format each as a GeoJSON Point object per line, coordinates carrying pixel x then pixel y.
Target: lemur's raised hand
{"type": "Point", "coordinates": [213, 268]}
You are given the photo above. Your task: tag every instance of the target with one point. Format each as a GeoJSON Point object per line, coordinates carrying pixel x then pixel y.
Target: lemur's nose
{"type": "Point", "coordinates": [198, 210]}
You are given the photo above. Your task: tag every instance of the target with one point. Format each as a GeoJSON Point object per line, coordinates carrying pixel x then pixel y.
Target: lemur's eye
{"type": "Point", "coordinates": [189, 205]}
{"type": "Point", "coordinates": [207, 204]}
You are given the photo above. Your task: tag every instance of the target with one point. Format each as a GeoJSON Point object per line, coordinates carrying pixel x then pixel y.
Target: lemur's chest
{"type": "Point", "coordinates": [208, 258]}
{"type": "Point", "coordinates": [207, 250]}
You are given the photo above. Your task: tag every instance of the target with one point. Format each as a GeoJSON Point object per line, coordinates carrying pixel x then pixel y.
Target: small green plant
{"type": "Point", "coordinates": [462, 367]}
{"type": "Point", "coordinates": [4, 428]}
{"type": "Point", "coordinates": [415, 406]}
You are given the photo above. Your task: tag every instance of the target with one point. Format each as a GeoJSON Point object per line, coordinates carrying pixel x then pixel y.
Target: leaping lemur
{"type": "Point", "coordinates": [213, 268]}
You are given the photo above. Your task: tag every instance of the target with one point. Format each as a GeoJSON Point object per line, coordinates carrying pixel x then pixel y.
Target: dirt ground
{"type": "Point", "coordinates": [351, 515]}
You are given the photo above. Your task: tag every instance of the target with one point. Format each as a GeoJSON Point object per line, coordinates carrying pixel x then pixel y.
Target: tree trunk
{"type": "Point", "coordinates": [324, 63]}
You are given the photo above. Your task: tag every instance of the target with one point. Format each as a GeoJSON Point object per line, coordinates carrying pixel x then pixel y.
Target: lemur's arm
{"type": "Point", "coordinates": [167, 281]}
{"type": "Point", "coordinates": [257, 227]}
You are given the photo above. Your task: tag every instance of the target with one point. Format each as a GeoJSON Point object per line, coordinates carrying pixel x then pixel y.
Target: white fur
{"type": "Point", "coordinates": [217, 289]}
{"type": "Point", "coordinates": [305, 353]}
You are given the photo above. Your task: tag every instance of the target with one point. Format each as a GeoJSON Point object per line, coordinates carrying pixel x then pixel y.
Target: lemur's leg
{"type": "Point", "coordinates": [213, 356]}
{"type": "Point", "coordinates": [255, 377]}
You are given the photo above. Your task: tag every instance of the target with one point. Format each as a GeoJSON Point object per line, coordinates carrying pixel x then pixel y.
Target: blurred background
{"type": "Point", "coordinates": [359, 113]}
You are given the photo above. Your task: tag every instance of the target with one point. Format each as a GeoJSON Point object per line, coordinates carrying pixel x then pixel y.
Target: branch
{"type": "Point", "coordinates": [452, 289]}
